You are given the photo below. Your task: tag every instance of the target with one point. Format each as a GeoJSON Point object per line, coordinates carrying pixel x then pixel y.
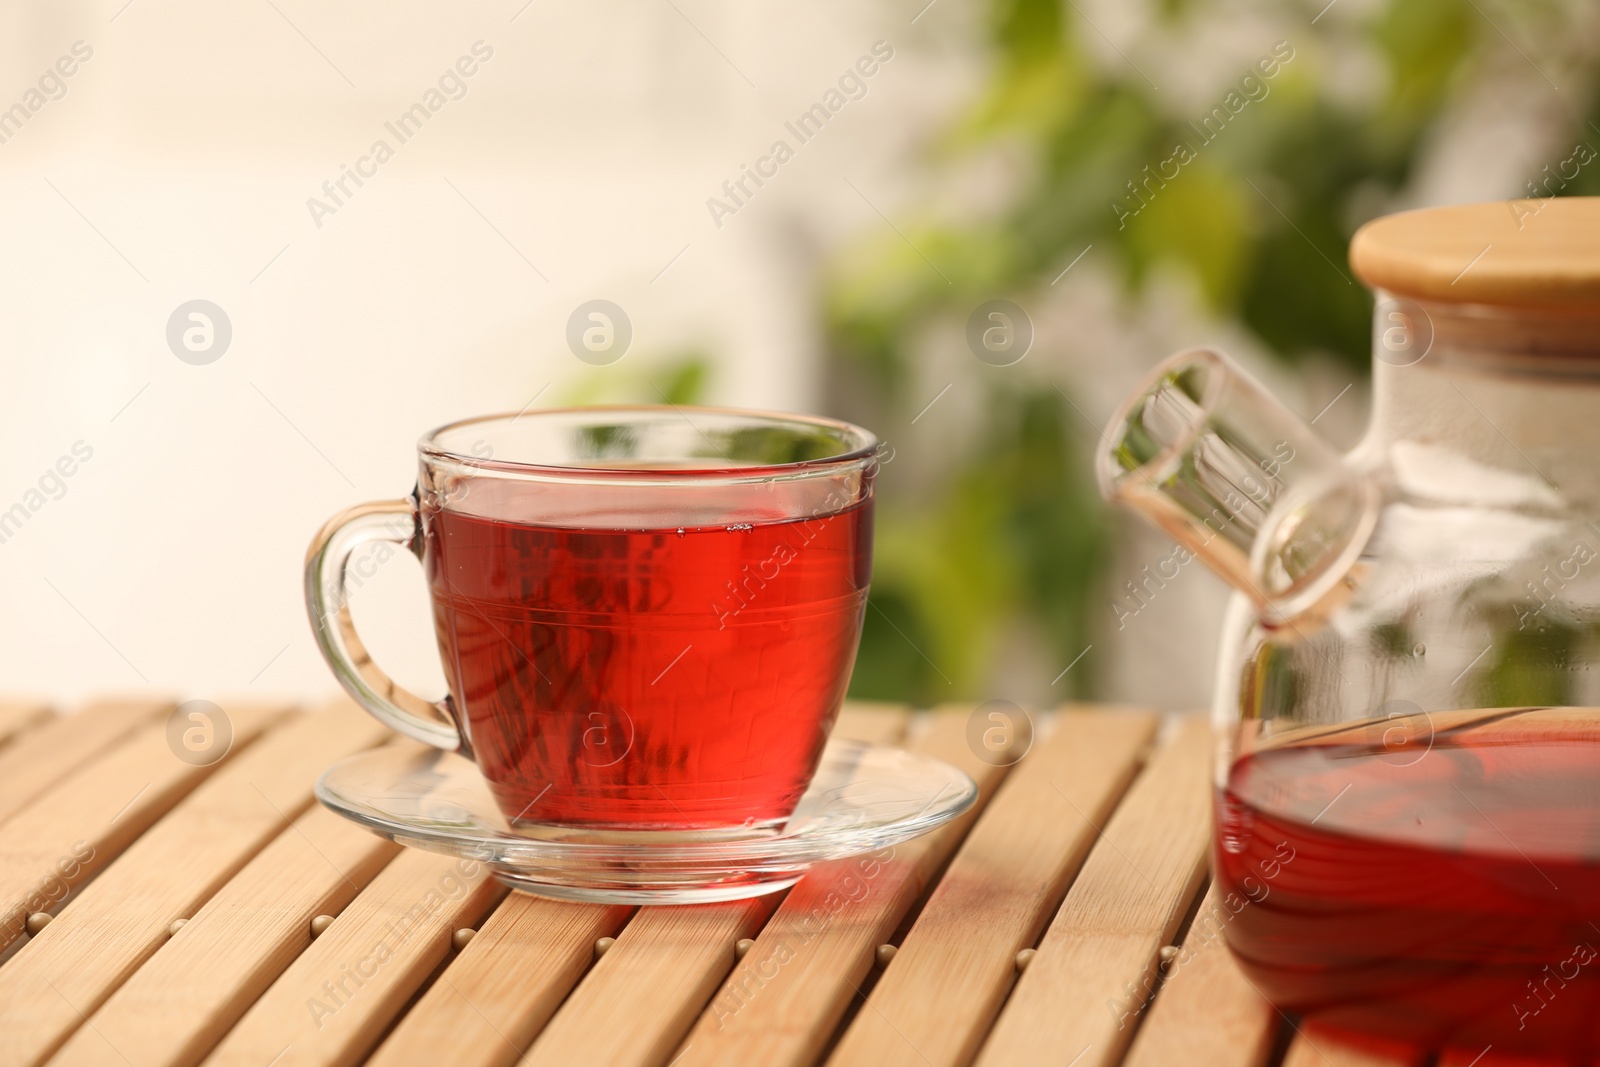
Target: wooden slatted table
{"type": "Point", "coordinates": [1065, 920]}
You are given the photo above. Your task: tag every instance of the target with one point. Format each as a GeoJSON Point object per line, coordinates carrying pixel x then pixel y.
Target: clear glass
{"type": "Point", "coordinates": [1203, 451]}
{"type": "Point", "coordinates": [863, 798]}
{"type": "Point", "coordinates": [1475, 588]}
{"type": "Point", "coordinates": [1408, 773]}
{"type": "Point", "coordinates": [647, 616]}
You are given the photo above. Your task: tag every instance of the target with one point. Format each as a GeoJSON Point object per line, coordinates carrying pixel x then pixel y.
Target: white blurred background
{"type": "Point", "coordinates": [178, 166]}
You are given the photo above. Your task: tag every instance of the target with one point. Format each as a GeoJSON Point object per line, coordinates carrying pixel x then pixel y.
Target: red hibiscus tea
{"type": "Point", "coordinates": [1445, 892]}
{"type": "Point", "coordinates": [626, 675]}
{"type": "Point", "coordinates": [647, 615]}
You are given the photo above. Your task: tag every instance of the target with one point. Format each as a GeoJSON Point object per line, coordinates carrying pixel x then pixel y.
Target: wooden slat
{"type": "Point", "coordinates": [73, 830]}
{"type": "Point", "coordinates": [1318, 1048]}
{"type": "Point", "coordinates": [868, 720]}
{"type": "Point", "coordinates": [1208, 1013]}
{"type": "Point", "coordinates": [69, 969]}
{"type": "Point", "coordinates": [39, 758]}
{"type": "Point", "coordinates": [487, 1006]}
{"type": "Point", "coordinates": [244, 971]}
{"type": "Point", "coordinates": [659, 975]}
{"type": "Point", "coordinates": [172, 1010]}
{"type": "Point", "coordinates": [175, 1007]}
{"type": "Point", "coordinates": [1127, 902]}
{"type": "Point", "coordinates": [784, 1000]}
{"type": "Point", "coordinates": [643, 995]}
{"type": "Point", "coordinates": [494, 999]}
{"type": "Point", "coordinates": [935, 1002]}
{"type": "Point", "coordinates": [20, 713]}
{"type": "Point", "coordinates": [333, 1003]}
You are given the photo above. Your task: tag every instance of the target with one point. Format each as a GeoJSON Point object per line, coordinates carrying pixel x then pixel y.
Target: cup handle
{"type": "Point", "coordinates": [328, 602]}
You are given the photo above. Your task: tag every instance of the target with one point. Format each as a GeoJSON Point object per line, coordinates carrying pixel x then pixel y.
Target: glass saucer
{"type": "Point", "coordinates": [864, 797]}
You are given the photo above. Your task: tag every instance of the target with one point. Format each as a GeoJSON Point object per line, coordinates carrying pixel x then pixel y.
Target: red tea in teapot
{"type": "Point", "coordinates": [1436, 880]}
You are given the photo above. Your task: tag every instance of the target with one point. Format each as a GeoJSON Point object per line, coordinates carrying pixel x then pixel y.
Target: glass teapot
{"type": "Point", "coordinates": [1408, 771]}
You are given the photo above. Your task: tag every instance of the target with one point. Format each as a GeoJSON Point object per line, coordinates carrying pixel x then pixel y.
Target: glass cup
{"type": "Point", "coordinates": [647, 616]}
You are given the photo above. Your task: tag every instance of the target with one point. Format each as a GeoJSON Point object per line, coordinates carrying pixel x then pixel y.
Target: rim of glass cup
{"type": "Point", "coordinates": [867, 445]}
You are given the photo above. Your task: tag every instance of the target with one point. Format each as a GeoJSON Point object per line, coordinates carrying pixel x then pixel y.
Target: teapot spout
{"type": "Point", "coordinates": [1208, 455]}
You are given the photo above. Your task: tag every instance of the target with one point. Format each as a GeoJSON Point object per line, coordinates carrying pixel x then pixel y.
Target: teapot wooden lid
{"type": "Point", "coordinates": [1510, 253]}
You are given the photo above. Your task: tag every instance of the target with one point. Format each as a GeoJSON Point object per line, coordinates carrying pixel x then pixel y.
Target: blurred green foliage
{"type": "Point", "coordinates": [1005, 543]}
{"type": "Point", "coordinates": [675, 377]}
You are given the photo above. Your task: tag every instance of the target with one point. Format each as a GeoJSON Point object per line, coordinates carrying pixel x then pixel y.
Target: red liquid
{"type": "Point", "coordinates": [657, 678]}
{"type": "Point", "coordinates": [1449, 896]}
